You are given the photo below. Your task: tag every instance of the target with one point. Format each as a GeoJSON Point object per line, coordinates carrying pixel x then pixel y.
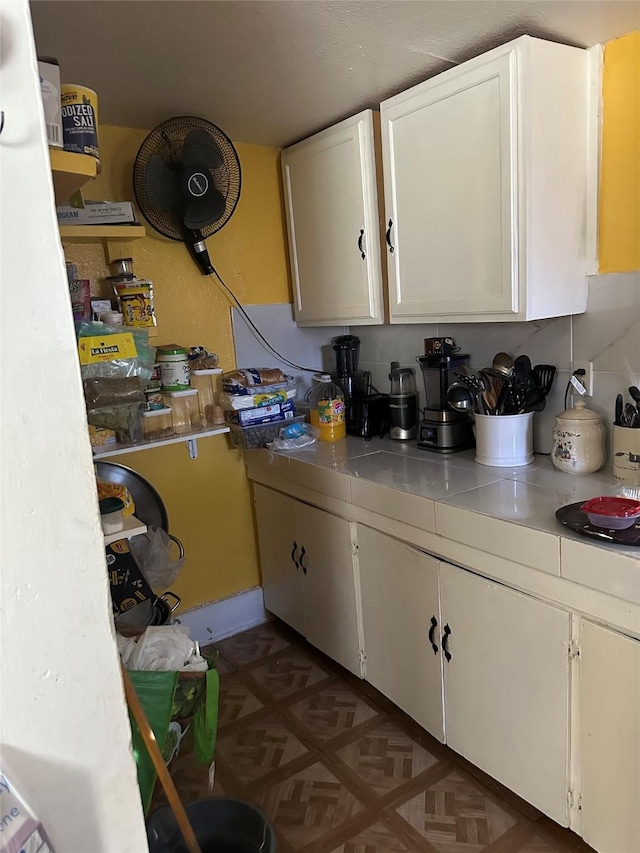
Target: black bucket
{"type": "Point", "coordinates": [221, 825]}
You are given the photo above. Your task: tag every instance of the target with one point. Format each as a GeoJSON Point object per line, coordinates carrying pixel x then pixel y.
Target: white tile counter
{"type": "Point", "coordinates": [508, 512]}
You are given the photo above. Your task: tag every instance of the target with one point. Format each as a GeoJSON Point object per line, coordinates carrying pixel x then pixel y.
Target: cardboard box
{"type": "Point", "coordinates": [261, 415]}
{"type": "Point", "coordinates": [49, 72]}
{"type": "Point", "coordinates": [97, 214]}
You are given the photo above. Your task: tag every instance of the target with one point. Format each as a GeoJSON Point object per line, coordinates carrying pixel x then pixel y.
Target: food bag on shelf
{"type": "Point", "coordinates": [116, 366]}
{"type": "Point", "coordinates": [253, 380]}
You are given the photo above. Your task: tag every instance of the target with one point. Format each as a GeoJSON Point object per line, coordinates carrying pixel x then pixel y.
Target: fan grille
{"type": "Point", "coordinates": [166, 141]}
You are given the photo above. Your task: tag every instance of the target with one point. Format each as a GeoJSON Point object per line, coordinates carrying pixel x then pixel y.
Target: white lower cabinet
{"type": "Point", "coordinates": [491, 679]}
{"type": "Point", "coordinates": [507, 686]}
{"type": "Point", "coordinates": [609, 739]}
{"type": "Point", "coordinates": [308, 574]}
{"type": "Point", "coordinates": [401, 623]}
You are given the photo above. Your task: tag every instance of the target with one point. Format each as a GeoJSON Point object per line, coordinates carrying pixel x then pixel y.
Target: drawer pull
{"type": "Point", "coordinates": [302, 565]}
{"type": "Point", "coordinates": [388, 236]}
{"type": "Point", "coordinates": [360, 244]}
{"type": "Point", "coordinates": [445, 642]}
{"type": "Point", "coordinates": [293, 555]}
{"type": "Point", "coordinates": [434, 625]}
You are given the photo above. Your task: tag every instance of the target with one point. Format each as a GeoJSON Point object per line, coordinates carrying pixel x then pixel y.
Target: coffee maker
{"type": "Point", "coordinates": [403, 403]}
{"type": "Point", "coordinates": [443, 430]}
{"type": "Point", "coordinates": [352, 381]}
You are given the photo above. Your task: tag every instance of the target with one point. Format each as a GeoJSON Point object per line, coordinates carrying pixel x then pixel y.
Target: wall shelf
{"type": "Point", "coordinates": [70, 172]}
{"type": "Point", "coordinates": [190, 438]}
{"type": "Point", "coordinates": [96, 233]}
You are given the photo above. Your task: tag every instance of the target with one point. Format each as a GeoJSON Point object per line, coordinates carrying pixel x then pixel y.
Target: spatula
{"type": "Point", "coordinates": [543, 376]}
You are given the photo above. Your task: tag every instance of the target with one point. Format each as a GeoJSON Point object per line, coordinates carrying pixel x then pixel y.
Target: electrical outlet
{"type": "Point", "coordinates": [587, 379]}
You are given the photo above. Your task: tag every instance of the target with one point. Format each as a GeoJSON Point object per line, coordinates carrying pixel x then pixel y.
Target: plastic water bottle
{"type": "Point", "coordinates": [327, 409]}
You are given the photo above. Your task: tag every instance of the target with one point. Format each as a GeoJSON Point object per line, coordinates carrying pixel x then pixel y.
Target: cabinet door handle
{"type": "Point", "coordinates": [434, 625]}
{"type": "Point", "coordinates": [302, 565]}
{"type": "Point", "coordinates": [388, 236]}
{"type": "Point", "coordinates": [360, 244]}
{"type": "Point", "coordinates": [445, 642]}
{"type": "Point", "coordinates": [293, 555]}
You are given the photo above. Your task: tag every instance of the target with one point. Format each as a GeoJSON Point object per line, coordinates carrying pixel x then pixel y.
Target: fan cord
{"type": "Point", "coordinates": [257, 331]}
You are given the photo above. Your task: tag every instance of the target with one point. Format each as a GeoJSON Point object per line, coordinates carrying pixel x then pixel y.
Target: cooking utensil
{"type": "Point", "coordinates": [535, 400]}
{"type": "Point", "coordinates": [543, 376]}
{"type": "Point", "coordinates": [618, 411]}
{"type": "Point", "coordinates": [503, 364]}
{"type": "Point", "coordinates": [522, 369]}
{"type": "Point", "coordinates": [629, 415]}
{"type": "Point", "coordinates": [635, 396]}
{"type": "Point", "coordinates": [461, 398]}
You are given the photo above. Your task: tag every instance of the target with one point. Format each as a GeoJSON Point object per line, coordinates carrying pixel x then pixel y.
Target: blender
{"type": "Point", "coordinates": [403, 403]}
{"type": "Point", "coordinates": [352, 381]}
{"type": "Point", "coordinates": [443, 430]}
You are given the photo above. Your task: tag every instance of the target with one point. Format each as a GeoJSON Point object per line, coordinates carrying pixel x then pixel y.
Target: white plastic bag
{"type": "Point", "coordinates": [166, 648]}
{"type": "Point", "coordinates": [296, 436]}
{"type": "Point", "coordinates": [152, 552]}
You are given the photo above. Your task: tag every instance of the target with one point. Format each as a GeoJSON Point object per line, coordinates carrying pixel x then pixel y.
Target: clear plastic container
{"type": "Point", "coordinates": [327, 408]}
{"type": "Point", "coordinates": [206, 383]}
{"type": "Point", "coordinates": [157, 423]}
{"type": "Point", "coordinates": [185, 412]}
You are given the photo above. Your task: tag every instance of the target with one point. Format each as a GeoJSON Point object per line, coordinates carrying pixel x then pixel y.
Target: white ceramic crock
{"type": "Point", "coordinates": [578, 441]}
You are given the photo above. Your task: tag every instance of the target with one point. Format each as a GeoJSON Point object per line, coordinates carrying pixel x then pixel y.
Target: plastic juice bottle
{"type": "Point", "coordinates": [327, 408]}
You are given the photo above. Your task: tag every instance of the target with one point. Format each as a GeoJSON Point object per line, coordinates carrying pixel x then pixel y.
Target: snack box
{"type": "Point", "coordinates": [261, 414]}
{"type": "Point", "coordinates": [97, 214]}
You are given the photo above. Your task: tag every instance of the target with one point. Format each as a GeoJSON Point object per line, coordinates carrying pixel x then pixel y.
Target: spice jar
{"type": "Point", "coordinates": [157, 423]}
{"type": "Point", "coordinates": [578, 441]}
{"type": "Point", "coordinates": [185, 412]}
{"type": "Point", "coordinates": [205, 381]}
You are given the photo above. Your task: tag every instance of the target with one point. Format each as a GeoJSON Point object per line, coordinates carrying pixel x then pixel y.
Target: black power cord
{"type": "Point", "coordinates": [257, 331]}
{"type": "Point", "coordinates": [579, 372]}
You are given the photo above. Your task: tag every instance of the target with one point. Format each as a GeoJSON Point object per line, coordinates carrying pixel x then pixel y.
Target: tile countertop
{"type": "Point", "coordinates": [528, 496]}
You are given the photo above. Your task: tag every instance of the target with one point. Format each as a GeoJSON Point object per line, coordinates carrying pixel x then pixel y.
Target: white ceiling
{"type": "Point", "coordinates": [275, 71]}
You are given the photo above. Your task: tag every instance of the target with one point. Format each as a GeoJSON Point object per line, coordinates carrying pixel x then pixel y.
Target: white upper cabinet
{"type": "Point", "coordinates": [485, 170]}
{"type": "Point", "coordinates": [331, 206]}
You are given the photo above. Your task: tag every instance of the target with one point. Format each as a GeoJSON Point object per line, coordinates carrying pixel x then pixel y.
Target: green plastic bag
{"type": "Point", "coordinates": [205, 720]}
{"type": "Point", "coordinates": [155, 691]}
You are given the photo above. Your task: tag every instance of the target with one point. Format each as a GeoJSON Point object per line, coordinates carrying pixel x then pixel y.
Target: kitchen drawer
{"type": "Point", "coordinates": [505, 539]}
{"type": "Point", "coordinates": [606, 570]}
{"type": "Point", "coordinates": [393, 503]}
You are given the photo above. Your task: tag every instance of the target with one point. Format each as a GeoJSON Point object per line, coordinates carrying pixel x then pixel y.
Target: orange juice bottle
{"type": "Point", "coordinates": [327, 408]}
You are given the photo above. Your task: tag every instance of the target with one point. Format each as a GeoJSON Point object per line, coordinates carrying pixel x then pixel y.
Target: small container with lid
{"type": "Point", "coordinates": [579, 441]}
{"type": "Point", "coordinates": [157, 423]}
{"type": "Point", "coordinates": [185, 412]}
{"type": "Point", "coordinates": [206, 383]}
{"type": "Point", "coordinates": [111, 515]}
{"type": "Point", "coordinates": [327, 408]}
{"type": "Point", "coordinates": [174, 367]}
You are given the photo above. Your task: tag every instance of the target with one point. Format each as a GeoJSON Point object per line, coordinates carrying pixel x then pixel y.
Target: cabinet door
{"type": "Point", "coordinates": [449, 179]}
{"type": "Point", "coordinates": [279, 551]}
{"type": "Point", "coordinates": [332, 219]}
{"type": "Point", "coordinates": [610, 739]}
{"type": "Point", "coordinates": [399, 588]}
{"type": "Point", "coordinates": [506, 686]}
{"type": "Point", "coordinates": [327, 561]}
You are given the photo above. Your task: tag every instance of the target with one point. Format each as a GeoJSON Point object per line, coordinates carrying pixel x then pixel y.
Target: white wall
{"type": "Point", "coordinates": [63, 724]}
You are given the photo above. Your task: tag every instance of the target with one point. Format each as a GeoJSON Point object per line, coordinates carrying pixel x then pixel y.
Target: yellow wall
{"type": "Point", "coordinates": [207, 499]}
{"type": "Point", "coordinates": [619, 215]}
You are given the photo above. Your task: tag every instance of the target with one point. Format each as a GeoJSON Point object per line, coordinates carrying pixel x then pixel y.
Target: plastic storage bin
{"type": "Point", "coordinates": [157, 423]}
{"type": "Point", "coordinates": [206, 384]}
{"type": "Point", "coordinates": [184, 409]}
{"type": "Point", "coordinates": [255, 437]}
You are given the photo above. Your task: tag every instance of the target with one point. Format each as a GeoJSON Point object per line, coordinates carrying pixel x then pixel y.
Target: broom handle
{"type": "Point", "coordinates": [149, 738]}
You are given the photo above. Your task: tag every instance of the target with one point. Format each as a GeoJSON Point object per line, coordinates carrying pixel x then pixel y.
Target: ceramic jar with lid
{"type": "Point", "coordinates": [578, 441]}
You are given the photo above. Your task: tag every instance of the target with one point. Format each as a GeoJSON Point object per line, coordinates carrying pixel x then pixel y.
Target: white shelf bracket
{"type": "Point", "coordinates": [192, 445]}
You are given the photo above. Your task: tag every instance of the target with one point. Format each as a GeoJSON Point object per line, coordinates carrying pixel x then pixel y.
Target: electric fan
{"type": "Point", "coordinates": [187, 179]}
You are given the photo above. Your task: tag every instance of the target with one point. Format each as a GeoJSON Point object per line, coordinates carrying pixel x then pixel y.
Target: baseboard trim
{"type": "Point", "coordinates": [220, 619]}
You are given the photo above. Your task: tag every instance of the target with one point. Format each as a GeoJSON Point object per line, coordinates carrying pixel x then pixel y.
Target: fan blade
{"type": "Point", "coordinates": [162, 186]}
{"type": "Point", "coordinates": [205, 211]}
{"type": "Point", "coordinates": [201, 149]}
